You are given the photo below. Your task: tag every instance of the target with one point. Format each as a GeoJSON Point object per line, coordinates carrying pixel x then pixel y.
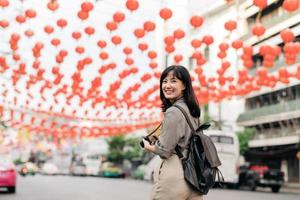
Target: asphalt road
{"type": "Point", "coordinates": [90, 188]}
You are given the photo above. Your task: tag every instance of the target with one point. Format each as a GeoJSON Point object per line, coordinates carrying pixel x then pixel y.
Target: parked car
{"type": "Point", "coordinates": [78, 169]}
{"type": "Point", "coordinates": [28, 168]}
{"type": "Point", "coordinates": [93, 164]}
{"type": "Point", "coordinates": [111, 170]}
{"type": "Point", "coordinates": [49, 169]}
{"type": "Point", "coordinates": [262, 176]}
{"type": "Point", "coordinates": [8, 173]}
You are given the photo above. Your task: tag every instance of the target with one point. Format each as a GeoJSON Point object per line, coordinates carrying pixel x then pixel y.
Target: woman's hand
{"type": "Point", "coordinates": [148, 146]}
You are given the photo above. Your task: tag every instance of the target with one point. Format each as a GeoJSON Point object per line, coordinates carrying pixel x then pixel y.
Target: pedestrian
{"type": "Point", "coordinates": [175, 89]}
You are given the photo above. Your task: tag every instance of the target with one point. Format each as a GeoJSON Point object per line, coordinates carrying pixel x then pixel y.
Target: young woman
{"type": "Point", "coordinates": [175, 89]}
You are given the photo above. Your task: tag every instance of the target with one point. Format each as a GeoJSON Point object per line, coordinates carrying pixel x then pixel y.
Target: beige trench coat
{"type": "Point", "coordinates": [169, 183]}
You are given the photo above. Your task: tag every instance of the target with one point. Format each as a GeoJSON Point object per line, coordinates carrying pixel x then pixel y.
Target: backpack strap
{"type": "Point", "coordinates": [186, 117]}
{"type": "Point", "coordinates": [177, 148]}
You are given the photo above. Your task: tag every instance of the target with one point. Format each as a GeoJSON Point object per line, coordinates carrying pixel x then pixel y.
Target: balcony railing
{"type": "Point", "coordinates": [272, 19]}
{"type": "Point", "coordinates": [275, 133]}
{"type": "Point", "coordinates": [277, 64]}
{"type": "Point", "coordinates": [283, 107]}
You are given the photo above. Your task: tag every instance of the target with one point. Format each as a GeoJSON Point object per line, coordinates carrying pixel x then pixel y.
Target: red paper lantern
{"type": "Point", "coordinates": [16, 57]}
{"type": "Point", "coordinates": [63, 53]}
{"type": "Point", "coordinates": [103, 55]}
{"type": "Point", "coordinates": [169, 40]}
{"type": "Point", "coordinates": [153, 65]}
{"type": "Point", "coordinates": [20, 19]}
{"type": "Point", "coordinates": [152, 54]}
{"type": "Point", "coordinates": [79, 49]}
{"type": "Point", "coordinates": [116, 40]}
{"type": "Point", "coordinates": [170, 49]}
{"type": "Point", "coordinates": [89, 30]}
{"type": "Point", "coordinates": [222, 54]}
{"type": "Point", "coordinates": [165, 13]}
{"type": "Point", "coordinates": [230, 25]}
{"type": "Point", "coordinates": [208, 40]}
{"type": "Point", "coordinates": [53, 5]}
{"type": "Point", "coordinates": [4, 23]}
{"type": "Point", "coordinates": [55, 42]}
{"type": "Point", "coordinates": [61, 23]}
{"type": "Point", "coordinates": [248, 63]}
{"type": "Point", "coordinates": [83, 15]}
{"type": "Point", "coordinates": [258, 29]}
{"type": "Point", "coordinates": [196, 21]}
{"type": "Point", "coordinates": [30, 13]}
{"type": "Point", "coordinates": [260, 3]}
{"type": "Point", "coordinates": [118, 17]}
{"type": "Point", "coordinates": [127, 50]}
{"type": "Point", "coordinates": [87, 60]}
{"type": "Point", "coordinates": [197, 55]}
{"type": "Point", "coordinates": [178, 34]}
{"type": "Point", "coordinates": [196, 43]}
{"type": "Point", "coordinates": [87, 6]}
{"type": "Point", "coordinates": [237, 44]}
{"type": "Point", "coordinates": [4, 3]}
{"type": "Point", "coordinates": [248, 50]}
{"type": "Point", "coordinates": [29, 33]}
{"type": "Point", "coordinates": [129, 61]}
{"type": "Point", "coordinates": [264, 49]}
{"type": "Point", "coordinates": [101, 44]}
{"type": "Point", "coordinates": [223, 46]}
{"type": "Point", "coordinates": [111, 26]}
{"type": "Point", "coordinates": [225, 65]}
{"type": "Point", "coordinates": [49, 29]}
{"type": "Point", "coordinates": [287, 35]}
{"type": "Point", "coordinates": [178, 58]}
{"type": "Point", "coordinates": [139, 33]}
{"type": "Point", "coordinates": [143, 46]}
{"type": "Point", "coordinates": [291, 5]}
{"type": "Point", "coordinates": [76, 35]}
{"type": "Point", "coordinates": [132, 5]}
{"type": "Point", "coordinates": [149, 26]}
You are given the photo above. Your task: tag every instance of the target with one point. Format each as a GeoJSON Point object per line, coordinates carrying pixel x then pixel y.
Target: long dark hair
{"type": "Point", "coordinates": [190, 99]}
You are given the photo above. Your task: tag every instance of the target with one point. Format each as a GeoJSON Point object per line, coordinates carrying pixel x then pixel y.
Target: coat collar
{"type": "Point", "coordinates": [179, 101]}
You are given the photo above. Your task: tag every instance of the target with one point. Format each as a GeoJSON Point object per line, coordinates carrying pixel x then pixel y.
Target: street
{"type": "Point", "coordinates": [90, 188]}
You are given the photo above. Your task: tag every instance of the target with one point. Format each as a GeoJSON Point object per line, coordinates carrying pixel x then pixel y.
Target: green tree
{"type": "Point", "coordinates": [116, 146]}
{"type": "Point", "coordinates": [244, 137]}
{"type": "Point", "coordinates": [206, 117]}
{"type": "Point", "coordinates": [120, 148]}
{"type": "Point", "coordinates": [132, 149]}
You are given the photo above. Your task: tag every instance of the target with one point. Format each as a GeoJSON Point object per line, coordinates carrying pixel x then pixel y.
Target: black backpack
{"type": "Point", "coordinates": [200, 166]}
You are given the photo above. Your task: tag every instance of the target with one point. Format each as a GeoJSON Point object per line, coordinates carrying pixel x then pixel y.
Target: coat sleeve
{"type": "Point", "coordinates": [173, 129]}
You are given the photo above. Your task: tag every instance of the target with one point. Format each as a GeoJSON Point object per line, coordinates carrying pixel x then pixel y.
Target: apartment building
{"type": "Point", "coordinates": [273, 113]}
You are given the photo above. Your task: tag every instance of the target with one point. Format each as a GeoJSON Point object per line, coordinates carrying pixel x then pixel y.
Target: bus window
{"type": "Point", "coordinates": [214, 138]}
{"type": "Point", "coordinates": [222, 139]}
{"type": "Point", "coordinates": [226, 140]}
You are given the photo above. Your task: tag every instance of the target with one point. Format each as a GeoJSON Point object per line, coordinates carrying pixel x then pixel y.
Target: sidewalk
{"type": "Point", "coordinates": [290, 188]}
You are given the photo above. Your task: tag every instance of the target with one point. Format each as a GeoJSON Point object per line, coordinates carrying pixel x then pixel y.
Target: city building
{"type": "Point", "coordinates": [273, 113]}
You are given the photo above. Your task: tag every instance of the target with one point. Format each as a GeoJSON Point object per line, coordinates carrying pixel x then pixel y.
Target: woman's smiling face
{"type": "Point", "coordinates": [172, 87]}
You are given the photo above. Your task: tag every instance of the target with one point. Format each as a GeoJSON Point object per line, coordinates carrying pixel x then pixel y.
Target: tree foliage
{"type": "Point", "coordinates": [244, 137]}
{"type": "Point", "coordinates": [120, 148]}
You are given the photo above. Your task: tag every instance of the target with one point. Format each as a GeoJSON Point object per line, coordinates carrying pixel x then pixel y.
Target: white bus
{"type": "Point", "coordinates": [228, 149]}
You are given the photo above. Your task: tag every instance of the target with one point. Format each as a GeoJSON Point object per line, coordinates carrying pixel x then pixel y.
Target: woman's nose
{"type": "Point", "coordinates": [167, 85]}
